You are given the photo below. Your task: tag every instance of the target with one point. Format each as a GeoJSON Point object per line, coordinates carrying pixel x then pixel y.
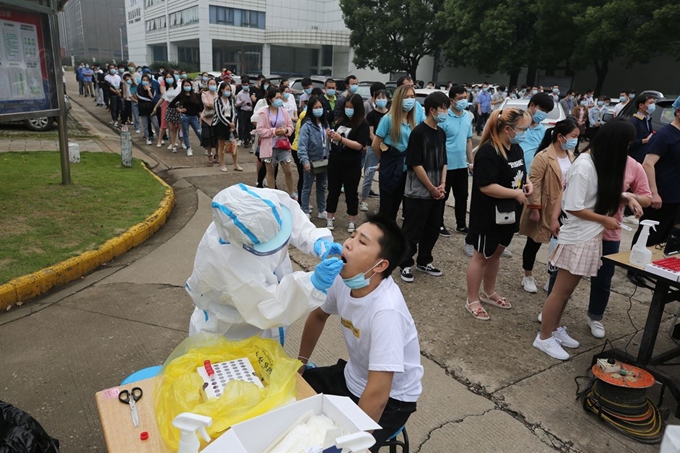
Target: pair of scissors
{"type": "Point", "coordinates": [130, 398]}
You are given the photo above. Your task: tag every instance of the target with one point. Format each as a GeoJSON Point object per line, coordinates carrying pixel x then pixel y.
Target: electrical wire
{"type": "Point", "coordinates": [630, 307]}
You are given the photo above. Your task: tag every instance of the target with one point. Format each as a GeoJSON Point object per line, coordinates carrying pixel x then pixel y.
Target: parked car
{"type": "Point", "coordinates": [555, 115]}
{"type": "Point", "coordinates": [44, 123]}
{"type": "Point", "coordinates": [663, 114]}
{"type": "Point", "coordinates": [422, 93]}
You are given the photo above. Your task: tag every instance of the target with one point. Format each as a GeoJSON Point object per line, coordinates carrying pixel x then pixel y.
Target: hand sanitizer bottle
{"type": "Point", "coordinates": [188, 424]}
{"type": "Point", "coordinates": [640, 255]}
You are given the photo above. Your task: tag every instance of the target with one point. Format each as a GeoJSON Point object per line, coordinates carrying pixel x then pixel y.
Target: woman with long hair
{"type": "Point", "coordinates": [312, 146]}
{"type": "Point", "coordinates": [499, 190]}
{"type": "Point", "coordinates": [189, 105]}
{"type": "Point", "coordinates": [145, 96]}
{"type": "Point", "coordinates": [170, 117]}
{"type": "Point", "coordinates": [274, 126]}
{"type": "Point", "coordinates": [348, 139]}
{"type": "Point", "coordinates": [224, 124]}
{"type": "Point", "coordinates": [548, 176]}
{"type": "Point", "coordinates": [390, 143]}
{"type": "Point", "coordinates": [208, 138]}
{"type": "Point", "coordinates": [591, 197]}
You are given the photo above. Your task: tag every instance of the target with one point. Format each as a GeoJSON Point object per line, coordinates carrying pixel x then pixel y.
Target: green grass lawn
{"type": "Point", "coordinates": [43, 222]}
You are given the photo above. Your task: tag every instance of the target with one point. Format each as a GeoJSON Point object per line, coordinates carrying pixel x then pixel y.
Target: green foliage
{"type": "Point", "coordinates": [393, 35]}
{"type": "Point", "coordinates": [173, 65]}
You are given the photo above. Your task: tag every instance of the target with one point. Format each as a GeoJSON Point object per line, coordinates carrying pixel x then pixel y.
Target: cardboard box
{"type": "Point", "coordinates": [257, 434]}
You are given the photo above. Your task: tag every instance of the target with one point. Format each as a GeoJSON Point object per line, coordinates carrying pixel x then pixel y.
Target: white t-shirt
{"type": "Point", "coordinates": [565, 165]}
{"type": "Point", "coordinates": [290, 106]}
{"type": "Point", "coordinates": [171, 93]}
{"type": "Point", "coordinates": [618, 107]}
{"type": "Point", "coordinates": [380, 336]}
{"type": "Point", "coordinates": [580, 193]}
{"type": "Point", "coordinates": [114, 80]}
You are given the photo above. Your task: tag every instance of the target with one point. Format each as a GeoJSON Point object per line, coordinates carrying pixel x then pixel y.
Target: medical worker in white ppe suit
{"type": "Point", "coordinates": [243, 282]}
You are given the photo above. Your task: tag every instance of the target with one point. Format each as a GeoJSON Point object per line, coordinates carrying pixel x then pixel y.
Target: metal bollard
{"type": "Point", "coordinates": [73, 152]}
{"type": "Point", "coordinates": [125, 147]}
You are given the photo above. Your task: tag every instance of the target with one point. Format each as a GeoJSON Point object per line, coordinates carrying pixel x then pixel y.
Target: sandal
{"type": "Point", "coordinates": [224, 169]}
{"type": "Point", "coordinates": [477, 313]}
{"type": "Point", "coordinates": [238, 168]}
{"type": "Point", "coordinates": [502, 302]}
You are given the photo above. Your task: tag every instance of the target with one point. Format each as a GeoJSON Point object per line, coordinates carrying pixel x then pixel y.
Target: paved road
{"type": "Point", "coordinates": [485, 388]}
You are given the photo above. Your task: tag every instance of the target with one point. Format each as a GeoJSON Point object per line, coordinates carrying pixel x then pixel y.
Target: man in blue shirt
{"type": "Point", "coordinates": [483, 107]}
{"type": "Point", "coordinates": [458, 129]}
{"type": "Point", "coordinates": [539, 106]}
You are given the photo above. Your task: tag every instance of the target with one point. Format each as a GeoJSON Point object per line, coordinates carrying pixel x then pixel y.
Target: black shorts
{"type": "Point", "coordinates": [486, 244]}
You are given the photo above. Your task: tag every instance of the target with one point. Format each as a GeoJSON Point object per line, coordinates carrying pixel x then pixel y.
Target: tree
{"type": "Point", "coordinates": [393, 35]}
{"type": "Point", "coordinates": [492, 36]}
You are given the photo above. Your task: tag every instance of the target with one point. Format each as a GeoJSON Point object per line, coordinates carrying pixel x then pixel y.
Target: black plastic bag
{"type": "Point", "coordinates": [21, 433]}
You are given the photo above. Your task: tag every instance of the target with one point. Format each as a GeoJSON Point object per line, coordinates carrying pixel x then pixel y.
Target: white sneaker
{"type": "Point", "coordinates": [174, 150]}
{"type": "Point", "coordinates": [506, 254]}
{"type": "Point", "coordinates": [564, 339]}
{"type": "Point", "coordinates": [469, 249]}
{"type": "Point", "coordinates": [115, 124]}
{"type": "Point", "coordinates": [547, 285]}
{"type": "Point", "coordinates": [170, 147]}
{"type": "Point", "coordinates": [596, 328]}
{"type": "Point", "coordinates": [551, 347]}
{"type": "Point", "coordinates": [148, 142]}
{"type": "Point", "coordinates": [184, 146]}
{"type": "Point", "coordinates": [351, 227]}
{"type": "Point", "coordinates": [239, 143]}
{"type": "Point", "coordinates": [137, 131]}
{"type": "Point", "coordinates": [322, 215]}
{"type": "Point", "coordinates": [363, 206]}
{"type": "Point", "coordinates": [529, 284]}
{"type": "Point", "coordinates": [329, 224]}
{"type": "Point", "coordinates": [205, 152]}
{"type": "Point", "coordinates": [190, 152]}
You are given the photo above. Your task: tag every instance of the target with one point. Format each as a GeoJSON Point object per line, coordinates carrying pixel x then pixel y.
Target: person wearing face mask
{"type": "Point", "coordinates": [458, 129]}
{"type": "Point", "coordinates": [274, 126]}
{"type": "Point", "coordinates": [419, 110]}
{"type": "Point", "coordinates": [383, 373]}
{"type": "Point", "coordinates": [307, 87]}
{"type": "Point", "coordinates": [580, 114]}
{"type": "Point", "coordinates": [424, 190]}
{"type": "Point", "coordinates": [329, 100]}
{"type": "Point", "coordinates": [497, 98]}
{"type": "Point", "coordinates": [624, 99]}
{"type": "Point", "coordinates": [642, 120]}
{"type": "Point", "coordinates": [499, 190]}
{"type": "Point", "coordinates": [569, 102]}
{"type": "Point", "coordinates": [548, 174]}
{"type": "Point", "coordinates": [225, 127]}
{"type": "Point", "coordinates": [596, 117]}
{"type": "Point", "coordinates": [115, 94]}
{"type": "Point", "coordinates": [244, 104]}
{"type": "Point", "coordinates": [87, 81]}
{"type": "Point", "coordinates": [208, 136]}
{"type": "Point", "coordinates": [170, 117]}
{"type": "Point", "coordinates": [539, 106]}
{"type": "Point", "coordinates": [313, 147]}
{"type": "Point", "coordinates": [379, 99]}
{"type": "Point", "coordinates": [145, 102]}
{"type": "Point", "coordinates": [201, 83]}
{"type": "Point", "coordinates": [127, 84]}
{"type": "Point", "coordinates": [348, 138]}
{"type": "Point", "coordinates": [352, 84]}
{"type": "Point", "coordinates": [555, 94]}
{"type": "Point", "coordinates": [189, 105]}
{"type": "Point", "coordinates": [483, 107]}
{"type": "Point", "coordinates": [389, 144]}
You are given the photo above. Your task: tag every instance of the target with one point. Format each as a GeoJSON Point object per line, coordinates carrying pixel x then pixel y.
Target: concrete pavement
{"type": "Point", "coordinates": [485, 388]}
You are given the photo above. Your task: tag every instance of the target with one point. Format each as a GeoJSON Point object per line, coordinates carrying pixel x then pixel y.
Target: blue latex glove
{"type": "Point", "coordinates": [323, 248]}
{"type": "Point", "coordinates": [325, 272]}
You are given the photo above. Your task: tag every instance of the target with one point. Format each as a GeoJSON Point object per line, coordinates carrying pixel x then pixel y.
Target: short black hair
{"type": "Point", "coordinates": [245, 79]}
{"type": "Point", "coordinates": [542, 100]}
{"type": "Point", "coordinates": [325, 84]}
{"type": "Point", "coordinates": [393, 243]}
{"type": "Point", "coordinates": [350, 77]}
{"type": "Point", "coordinates": [316, 91]}
{"type": "Point", "coordinates": [436, 100]}
{"type": "Point", "coordinates": [375, 87]}
{"type": "Point", "coordinates": [642, 99]}
{"type": "Point", "coordinates": [306, 81]}
{"type": "Point", "coordinates": [402, 79]}
{"type": "Point", "coordinates": [456, 90]}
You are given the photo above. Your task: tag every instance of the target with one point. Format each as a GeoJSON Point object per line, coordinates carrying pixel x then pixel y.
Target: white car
{"type": "Point", "coordinates": [555, 115]}
{"type": "Point", "coordinates": [422, 93]}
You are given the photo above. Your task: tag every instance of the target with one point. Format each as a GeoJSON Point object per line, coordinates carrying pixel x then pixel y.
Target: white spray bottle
{"type": "Point", "coordinates": [640, 255]}
{"type": "Point", "coordinates": [189, 424]}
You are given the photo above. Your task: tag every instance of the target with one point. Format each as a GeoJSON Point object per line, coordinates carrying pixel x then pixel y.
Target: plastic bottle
{"type": "Point", "coordinates": [640, 255]}
{"type": "Point", "coordinates": [189, 424]}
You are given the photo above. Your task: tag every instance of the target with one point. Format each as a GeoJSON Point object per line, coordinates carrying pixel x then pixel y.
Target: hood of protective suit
{"type": "Point", "coordinates": [253, 218]}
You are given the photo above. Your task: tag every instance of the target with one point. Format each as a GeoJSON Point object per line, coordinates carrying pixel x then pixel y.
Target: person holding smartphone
{"type": "Point", "coordinates": [244, 104]}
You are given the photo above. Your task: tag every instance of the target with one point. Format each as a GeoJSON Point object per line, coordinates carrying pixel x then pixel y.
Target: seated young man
{"type": "Point", "coordinates": [383, 373]}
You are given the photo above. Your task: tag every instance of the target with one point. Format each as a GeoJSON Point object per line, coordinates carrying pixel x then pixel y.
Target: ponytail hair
{"type": "Point", "coordinates": [497, 121]}
{"type": "Point", "coordinates": [564, 128]}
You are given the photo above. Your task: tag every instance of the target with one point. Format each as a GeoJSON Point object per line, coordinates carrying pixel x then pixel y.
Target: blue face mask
{"type": "Point", "coordinates": [176, 77]}
{"type": "Point", "coordinates": [622, 99]}
{"type": "Point", "coordinates": [353, 88]}
{"type": "Point", "coordinates": [205, 79]}
{"type": "Point", "coordinates": [571, 144]}
{"type": "Point", "coordinates": [584, 103]}
{"type": "Point", "coordinates": [534, 91]}
{"type": "Point", "coordinates": [330, 92]}
{"type": "Point", "coordinates": [128, 81]}
{"type": "Point", "coordinates": [441, 117]}
{"type": "Point", "coordinates": [278, 103]}
{"type": "Point", "coordinates": [518, 138]}
{"type": "Point", "coordinates": [226, 94]}
{"type": "Point", "coordinates": [360, 281]}
{"type": "Point", "coordinates": [539, 116]}
{"type": "Point", "coordinates": [187, 89]}
{"type": "Point", "coordinates": [112, 71]}
{"type": "Point", "coordinates": [600, 103]}
{"type": "Point", "coordinates": [651, 108]}
{"type": "Point", "coordinates": [462, 104]}
{"type": "Point", "coordinates": [381, 103]}
{"type": "Point", "coordinates": [121, 70]}
{"type": "Point", "coordinates": [138, 79]}
{"type": "Point", "coordinates": [212, 87]}
{"type": "Point", "coordinates": [408, 104]}
{"type": "Point", "coordinates": [318, 112]}
{"type": "Point", "coordinates": [145, 83]}
{"type": "Point", "coordinates": [266, 87]}
{"type": "Point", "coordinates": [485, 88]}
{"type": "Point", "coordinates": [246, 88]}
{"type": "Point", "coordinates": [184, 76]}
{"type": "Point", "coordinates": [556, 91]}
{"type": "Point", "coordinates": [349, 113]}
{"type": "Point", "coordinates": [286, 96]}
{"type": "Point", "coordinates": [170, 81]}
{"type": "Point", "coordinates": [308, 91]}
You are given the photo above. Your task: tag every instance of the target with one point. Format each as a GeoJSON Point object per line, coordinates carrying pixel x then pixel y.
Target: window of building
{"type": "Point", "coordinates": [185, 17]}
{"type": "Point", "coordinates": [158, 23]}
{"type": "Point", "coordinates": [160, 53]}
{"type": "Point", "coordinates": [237, 17]}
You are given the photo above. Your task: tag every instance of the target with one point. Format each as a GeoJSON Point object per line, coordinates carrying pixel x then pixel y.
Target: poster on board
{"type": "Point", "coordinates": [25, 56]}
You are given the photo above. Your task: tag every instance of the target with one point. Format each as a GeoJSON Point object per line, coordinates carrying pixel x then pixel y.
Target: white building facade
{"type": "Point", "coordinates": [283, 37]}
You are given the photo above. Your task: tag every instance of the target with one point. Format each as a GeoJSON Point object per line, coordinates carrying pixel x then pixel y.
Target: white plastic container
{"type": "Point", "coordinates": [640, 255]}
{"type": "Point", "coordinates": [73, 152]}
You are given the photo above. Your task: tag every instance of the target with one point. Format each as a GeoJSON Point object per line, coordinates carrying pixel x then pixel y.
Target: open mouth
{"type": "Point", "coordinates": [344, 260]}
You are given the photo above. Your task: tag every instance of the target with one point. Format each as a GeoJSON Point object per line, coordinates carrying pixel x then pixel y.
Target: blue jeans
{"type": "Point", "coordinates": [321, 182]}
{"type": "Point", "coordinates": [369, 165]}
{"type": "Point", "coordinates": [195, 125]}
{"type": "Point", "coordinates": [135, 116]}
{"type": "Point", "coordinates": [601, 284]}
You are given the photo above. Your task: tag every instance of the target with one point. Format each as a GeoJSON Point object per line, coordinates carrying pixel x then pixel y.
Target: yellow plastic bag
{"type": "Point", "coordinates": [180, 387]}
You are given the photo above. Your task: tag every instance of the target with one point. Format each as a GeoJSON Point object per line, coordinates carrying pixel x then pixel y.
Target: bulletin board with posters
{"type": "Point", "coordinates": [28, 83]}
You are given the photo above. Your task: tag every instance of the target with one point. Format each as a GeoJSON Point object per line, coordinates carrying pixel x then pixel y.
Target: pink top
{"type": "Point", "coordinates": [208, 97]}
{"type": "Point", "coordinates": [634, 181]}
{"type": "Point", "coordinates": [266, 130]}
